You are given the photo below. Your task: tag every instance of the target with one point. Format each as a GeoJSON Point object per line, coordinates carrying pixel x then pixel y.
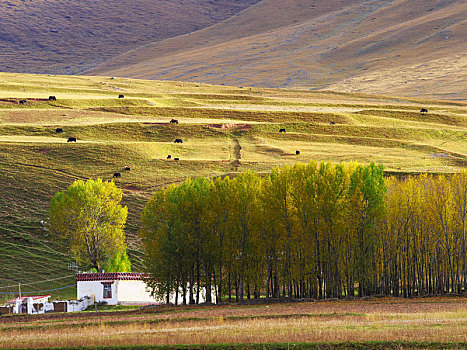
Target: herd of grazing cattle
{"type": "Point", "coordinates": [126, 168]}
{"type": "Point", "coordinates": [297, 152]}
{"type": "Point", "coordinates": [177, 140]}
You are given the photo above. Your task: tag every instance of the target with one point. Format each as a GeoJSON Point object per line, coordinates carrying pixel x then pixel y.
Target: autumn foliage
{"type": "Point", "coordinates": [316, 230]}
{"type": "Point", "coordinates": [89, 219]}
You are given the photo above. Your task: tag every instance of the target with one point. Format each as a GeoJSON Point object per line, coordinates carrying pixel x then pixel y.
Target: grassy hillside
{"type": "Point", "coordinates": [63, 36]}
{"type": "Point", "coordinates": [224, 130]}
{"type": "Point", "coordinates": [400, 47]}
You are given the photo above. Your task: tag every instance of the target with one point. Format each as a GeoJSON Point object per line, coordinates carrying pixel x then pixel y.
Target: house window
{"type": "Point", "coordinates": [107, 291]}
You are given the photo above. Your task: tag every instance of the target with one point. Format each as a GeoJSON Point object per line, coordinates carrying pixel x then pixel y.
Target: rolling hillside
{"type": "Point", "coordinates": [397, 47]}
{"type": "Point", "coordinates": [67, 37]}
{"type": "Point", "coordinates": [224, 129]}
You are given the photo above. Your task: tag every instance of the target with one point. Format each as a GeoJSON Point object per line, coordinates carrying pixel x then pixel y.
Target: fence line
{"type": "Point", "coordinates": [31, 283]}
{"type": "Point", "coordinates": [40, 291]}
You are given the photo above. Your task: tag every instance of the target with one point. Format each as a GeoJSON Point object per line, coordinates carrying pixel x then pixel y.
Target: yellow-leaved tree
{"type": "Point", "coordinates": [88, 217]}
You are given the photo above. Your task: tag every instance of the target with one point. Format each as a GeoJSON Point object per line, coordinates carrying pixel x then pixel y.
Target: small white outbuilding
{"type": "Point", "coordinates": [39, 304]}
{"type": "Point", "coordinates": [33, 304]}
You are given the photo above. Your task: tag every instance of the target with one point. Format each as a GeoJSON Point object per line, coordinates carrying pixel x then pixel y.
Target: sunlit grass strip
{"type": "Point", "coordinates": [54, 324]}
{"type": "Point", "coordinates": [422, 327]}
{"type": "Point", "coordinates": [366, 345]}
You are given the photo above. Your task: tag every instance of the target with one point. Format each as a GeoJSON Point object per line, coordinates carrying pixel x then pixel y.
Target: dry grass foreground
{"type": "Point", "coordinates": [432, 320]}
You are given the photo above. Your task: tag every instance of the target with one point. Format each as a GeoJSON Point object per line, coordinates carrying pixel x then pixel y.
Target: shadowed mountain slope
{"type": "Point", "coordinates": [62, 36]}
{"type": "Point", "coordinates": [411, 48]}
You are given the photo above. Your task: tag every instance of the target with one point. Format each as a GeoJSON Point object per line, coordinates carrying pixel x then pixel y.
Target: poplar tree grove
{"type": "Point", "coordinates": [317, 230]}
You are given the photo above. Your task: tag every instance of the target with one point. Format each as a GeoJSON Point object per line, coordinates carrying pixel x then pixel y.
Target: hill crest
{"type": "Point", "coordinates": [336, 44]}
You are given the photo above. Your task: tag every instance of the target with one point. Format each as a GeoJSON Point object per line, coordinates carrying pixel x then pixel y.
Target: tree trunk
{"type": "Point", "coordinates": [198, 283]}
{"type": "Point", "coordinates": [219, 290]}
{"type": "Point", "coordinates": [208, 283]}
{"type": "Point", "coordinates": [192, 281]}
{"type": "Point", "coordinates": [240, 288]}
{"type": "Point", "coordinates": [268, 278]}
{"type": "Point", "coordinates": [230, 288]}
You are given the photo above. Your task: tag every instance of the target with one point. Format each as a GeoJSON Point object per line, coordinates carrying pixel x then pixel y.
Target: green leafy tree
{"type": "Point", "coordinates": [243, 223]}
{"type": "Point", "coordinates": [280, 207]}
{"type": "Point", "coordinates": [159, 220]}
{"type": "Point", "coordinates": [89, 218]}
{"type": "Point", "coordinates": [459, 190]}
{"type": "Point", "coordinates": [367, 195]}
{"type": "Point", "coordinates": [217, 215]}
{"type": "Point", "coordinates": [178, 242]}
{"type": "Point", "coordinates": [119, 262]}
{"type": "Point", "coordinates": [310, 230]}
{"type": "Point", "coordinates": [196, 232]}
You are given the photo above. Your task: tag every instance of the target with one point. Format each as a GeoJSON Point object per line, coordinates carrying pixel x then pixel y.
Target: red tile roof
{"type": "Point", "coordinates": [110, 276]}
{"type": "Point", "coordinates": [34, 297]}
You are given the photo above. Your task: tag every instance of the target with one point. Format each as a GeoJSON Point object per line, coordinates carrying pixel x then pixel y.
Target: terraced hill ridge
{"type": "Point", "coordinates": [408, 48]}
{"type": "Point", "coordinates": [224, 130]}
{"type": "Point", "coordinates": [66, 37]}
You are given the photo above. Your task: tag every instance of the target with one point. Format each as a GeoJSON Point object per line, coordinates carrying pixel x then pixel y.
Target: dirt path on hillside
{"type": "Point", "coordinates": [235, 156]}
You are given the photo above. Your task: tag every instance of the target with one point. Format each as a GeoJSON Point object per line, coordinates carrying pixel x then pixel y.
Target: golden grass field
{"type": "Point", "coordinates": [225, 130]}
{"type": "Point", "coordinates": [435, 323]}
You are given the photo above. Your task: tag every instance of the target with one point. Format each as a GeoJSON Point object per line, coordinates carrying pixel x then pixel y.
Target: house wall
{"type": "Point", "coordinates": [96, 289]}
{"type": "Point", "coordinates": [128, 292]}
{"type": "Point", "coordinates": [49, 307]}
{"type": "Point", "coordinates": [79, 305]}
{"type": "Point", "coordinates": [31, 306]}
{"type": "Point", "coordinates": [17, 307]}
{"type": "Point", "coordinates": [123, 292]}
{"type": "Point", "coordinates": [134, 292]}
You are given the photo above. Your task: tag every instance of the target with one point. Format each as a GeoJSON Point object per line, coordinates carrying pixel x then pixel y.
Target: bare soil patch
{"type": "Point", "coordinates": [245, 127]}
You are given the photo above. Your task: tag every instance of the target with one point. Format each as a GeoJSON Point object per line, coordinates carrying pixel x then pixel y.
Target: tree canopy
{"type": "Point", "coordinates": [88, 217]}
{"type": "Point", "coordinates": [285, 232]}
{"type": "Point", "coordinates": [317, 230]}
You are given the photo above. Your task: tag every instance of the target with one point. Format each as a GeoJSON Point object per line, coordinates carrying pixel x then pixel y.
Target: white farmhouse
{"type": "Point", "coordinates": [121, 288]}
{"type": "Point", "coordinates": [114, 288]}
